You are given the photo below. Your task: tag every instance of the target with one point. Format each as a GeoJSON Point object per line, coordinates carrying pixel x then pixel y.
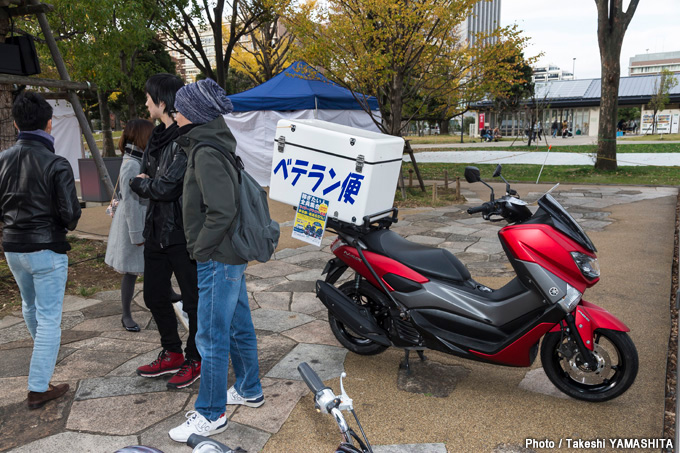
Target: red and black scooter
{"type": "Point", "coordinates": [417, 297]}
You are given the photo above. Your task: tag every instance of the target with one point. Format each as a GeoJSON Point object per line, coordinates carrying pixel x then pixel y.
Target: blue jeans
{"type": "Point", "coordinates": [225, 329]}
{"type": "Point", "coordinates": [41, 277]}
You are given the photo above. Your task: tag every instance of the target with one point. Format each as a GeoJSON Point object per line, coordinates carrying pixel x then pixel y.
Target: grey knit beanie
{"type": "Point", "coordinates": [202, 101]}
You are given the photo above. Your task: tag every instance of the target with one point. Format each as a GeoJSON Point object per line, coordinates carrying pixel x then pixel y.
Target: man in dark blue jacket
{"type": "Point", "coordinates": [38, 204]}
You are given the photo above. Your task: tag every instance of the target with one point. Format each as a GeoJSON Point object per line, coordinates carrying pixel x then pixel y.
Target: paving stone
{"type": "Point", "coordinates": [272, 268]}
{"type": "Point", "coordinates": [112, 322]}
{"type": "Point", "coordinates": [113, 345]}
{"type": "Point", "coordinates": [236, 435]}
{"type": "Point", "coordinates": [75, 303]}
{"type": "Point", "coordinates": [270, 350]}
{"type": "Point", "coordinates": [107, 295]}
{"type": "Point", "coordinates": [327, 361]}
{"type": "Point", "coordinates": [263, 284]}
{"type": "Point", "coordinates": [20, 425]}
{"type": "Point", "coordinates": [107, 308]}
{"type": "Point", "coordinates": [296, 287]}
{"type": "Point", "coordinates": [87, 443]}
{"type": "Point", "coordinates": [426, 240]}
{"type": "Point", "coordinates": [458, 229]}
{"type": "Point", "coordinates": [108, 386]}
{"type": "Point", "coordinates": [410, 448]}
{"type": "Point", "coordinates": [281, 396]}
{"type": "Point", "coordinates": [13, 390]}
{"type": "Point", "coordinates": [129, 368]}
{"type": "Point", "coordinates": [473, 221]}
{"type": "Point", "coordinates": [311, 275]}
{"type": "Point", "coordinates": [84, 364]}
{"type": "Point", "coordinates": [8, 321]}
{"type": "Point", "coordinates": [316, 332]}
{"type": "Point", "coordinates": [20, 332]}
{"type": "Point", "coordinates": [485, 247]}
{"type": "Point", "coordinates": [124, 415]}
{"type": "Point", "coordinates": [594, 224]}
{"type": "Point", "coordinates": [285, 253]}
{"type": "Point", "coordinates": [272, 300]}
{"type": "Point", "coordinates": [306, 303]}
{"type": "Point", "coordinates": [455, 247]}
{"type": "Point", "coordinates": [278, 320]}
{"type": "Point", "coordinates": [17, 362]}
{"type": "Point", "coordinates": [536, 381]}
{"type": "Point", "coordinates": [307, 256]}
{"type": "Point", "coordinates": [144, 336]}
{"type": "Point", "coordinates": [319, 263]}
{"type": "Point", "coordinates": [409, 230]}
{"type": "Point", "coordinates": [431, 378]}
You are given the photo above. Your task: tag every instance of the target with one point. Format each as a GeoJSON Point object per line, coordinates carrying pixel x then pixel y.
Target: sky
{"type": "Point", "coordinates": [568, 29]}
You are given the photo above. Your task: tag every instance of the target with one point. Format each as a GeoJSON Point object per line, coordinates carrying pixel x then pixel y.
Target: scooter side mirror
{"type": "Point", "coordinates": [472, 174]}
{"type": "Point", "coordinates": [497, 172]}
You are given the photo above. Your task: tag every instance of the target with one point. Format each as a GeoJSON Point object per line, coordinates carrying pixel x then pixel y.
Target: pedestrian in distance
{"type": "Point", "coordinates": [165, 250]}
{"type": "Point", "coordinates": [125, 247]}
{"type": "Point", "coordinates": [211, 205]}
{"type": "Point", "coordinates": [554, 128]}
{"type": "Point", "coordinates": [38, 204]}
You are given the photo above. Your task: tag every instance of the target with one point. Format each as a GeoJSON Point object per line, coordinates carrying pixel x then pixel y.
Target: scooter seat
{"type": "Point", "coordinates": [435, 262]}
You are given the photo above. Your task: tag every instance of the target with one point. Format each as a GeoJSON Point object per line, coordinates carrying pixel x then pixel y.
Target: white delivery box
{"type": "Point", "coordinates": [355, 170]}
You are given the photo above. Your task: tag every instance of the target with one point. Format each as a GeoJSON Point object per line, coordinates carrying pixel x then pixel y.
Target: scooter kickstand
{"type": "Point", "coordinates": [405, 364]}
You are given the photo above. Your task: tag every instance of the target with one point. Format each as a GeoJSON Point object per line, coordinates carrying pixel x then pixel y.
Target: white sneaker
{"type": "Point", "coordinates": [182, 316]}
{"type": "Point", "coordinates": [234, 398]}
{"type": "Point", "coordinates": [198, 424]}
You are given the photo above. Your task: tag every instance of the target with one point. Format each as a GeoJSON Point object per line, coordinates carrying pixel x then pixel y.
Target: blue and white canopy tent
{"type": "Point", "coordinates": [299, 92]}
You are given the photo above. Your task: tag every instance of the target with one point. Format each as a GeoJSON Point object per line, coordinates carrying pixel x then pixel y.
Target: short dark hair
{"type": "Point", "coordinates": [31, 111]}
{"type": "Point", "coordinates": [136, 132]}
{"type": "Point", "coordinates": [162, 87]}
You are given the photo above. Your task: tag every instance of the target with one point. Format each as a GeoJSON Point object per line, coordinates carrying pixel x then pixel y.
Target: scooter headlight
{"type": "Point", "coordinates": [571, 300]}
{"type": "Point", "coordinates": [588, 265]}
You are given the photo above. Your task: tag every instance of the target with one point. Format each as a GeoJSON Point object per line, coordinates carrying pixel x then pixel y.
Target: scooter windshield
{"type": "Point", "coordinates": [564, 222]}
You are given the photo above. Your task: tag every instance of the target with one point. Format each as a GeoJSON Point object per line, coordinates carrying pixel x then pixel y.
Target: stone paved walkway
{"type": "Point", "coordinates": [110, 407]}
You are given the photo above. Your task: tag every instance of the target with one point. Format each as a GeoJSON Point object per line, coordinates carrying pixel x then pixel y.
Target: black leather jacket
{"type": "Point", "coordinates": [38, 199]}
{"type": "Point", "coordinates": [163, 188]}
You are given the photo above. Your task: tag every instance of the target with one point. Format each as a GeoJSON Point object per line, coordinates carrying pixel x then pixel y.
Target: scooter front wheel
{"type": "Point", "coordinates": [368, 297]}
{"type": "Point", "coordinates": [617, 365]}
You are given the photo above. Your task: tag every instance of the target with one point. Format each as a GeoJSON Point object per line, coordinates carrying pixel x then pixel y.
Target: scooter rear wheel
{"type": "Point", "coordinates": [617, 365]}
{"type": "Point", "coordinates": [370, 298]}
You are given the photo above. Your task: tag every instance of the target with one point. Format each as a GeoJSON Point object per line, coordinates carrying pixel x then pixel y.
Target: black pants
{"type": "Point", "coordinates": [159, 264]}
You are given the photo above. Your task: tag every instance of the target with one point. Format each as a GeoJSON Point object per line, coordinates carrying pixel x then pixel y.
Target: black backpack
{"type": "Point", "coordinates": [254, 235]}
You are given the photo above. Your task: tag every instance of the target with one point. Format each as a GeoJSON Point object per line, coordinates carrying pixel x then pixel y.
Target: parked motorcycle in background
{"type": "Point", "coordinates": [418, 297]}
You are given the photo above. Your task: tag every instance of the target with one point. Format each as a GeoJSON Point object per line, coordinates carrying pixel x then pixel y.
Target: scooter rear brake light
{"type": "Point", "coordinates": [571, 300]}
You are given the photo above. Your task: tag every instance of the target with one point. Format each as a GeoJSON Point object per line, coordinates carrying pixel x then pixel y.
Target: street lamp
{"type": "Point", "coordinates": [573, 66]}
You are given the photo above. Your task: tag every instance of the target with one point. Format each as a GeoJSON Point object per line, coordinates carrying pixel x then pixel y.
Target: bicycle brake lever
{"type": "Point", "coordinates": [346, 402]}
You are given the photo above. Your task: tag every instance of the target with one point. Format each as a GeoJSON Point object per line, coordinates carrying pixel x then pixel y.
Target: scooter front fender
{"type": "Point", "coordinates": [590, 317]}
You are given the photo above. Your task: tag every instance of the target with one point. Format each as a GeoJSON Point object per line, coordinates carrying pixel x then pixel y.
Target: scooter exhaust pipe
{"type": "Point", "coordinates": [355, 317]}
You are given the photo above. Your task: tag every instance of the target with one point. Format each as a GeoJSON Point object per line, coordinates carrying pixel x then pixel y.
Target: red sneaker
{"type": "Point", "coordinates": [166, 363]}
{"type": "Point", "coordinates": [187, 375]}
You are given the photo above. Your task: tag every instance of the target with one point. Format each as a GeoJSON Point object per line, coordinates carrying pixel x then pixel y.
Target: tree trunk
{"type": "Point", "coordinates": [7, 131]}
{"type": "Point", "coordinates": [109, 149]}
{"type": "Point", "coordinates": [444, 127]}
{"type": "Point", "coordinates": [612, 23]}
{"type": "Point", "coordinates": [132, 105]}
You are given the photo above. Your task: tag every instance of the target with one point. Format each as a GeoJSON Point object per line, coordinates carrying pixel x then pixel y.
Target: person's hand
{"type": "Point", "coordinates": [142, 175]}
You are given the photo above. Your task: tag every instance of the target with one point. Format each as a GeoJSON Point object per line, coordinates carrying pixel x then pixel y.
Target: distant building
{"type": "Point", "coordinates": [485, 18]}
{"type": "Point", "coordinates": [577, 102]}
{"type": "Point", "coordinates": [550, 73]}
{"type": "Point", "coordinates": [653, 63]}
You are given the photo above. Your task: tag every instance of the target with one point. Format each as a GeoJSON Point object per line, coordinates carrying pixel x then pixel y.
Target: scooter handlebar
{"type": "Point", "coordinates": [477, 209]}
{"type": "Point", "coordinates": [310, 377]}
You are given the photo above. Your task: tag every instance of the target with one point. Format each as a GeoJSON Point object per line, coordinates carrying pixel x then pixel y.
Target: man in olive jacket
{"type": "Point", "coordinates": [38, 205]}
{"type": "Point", "coordinates": [225, 327]}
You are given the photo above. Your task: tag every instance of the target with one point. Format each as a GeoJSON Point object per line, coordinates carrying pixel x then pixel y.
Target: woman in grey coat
{"type": "Point", "coordinates": [125, 248]}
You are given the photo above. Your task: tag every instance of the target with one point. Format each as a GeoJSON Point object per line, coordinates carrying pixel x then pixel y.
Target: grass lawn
{"type": "Point", "coordinates": [98, 137]}
{"type": "Point", "coordinates": [453, 138]}
{"type": "Point", "coordinates": [586, 149]}
{"type": "Point", "coordinates": [668, 137]}
{"type": "Point", "coordinates": [564, 174]}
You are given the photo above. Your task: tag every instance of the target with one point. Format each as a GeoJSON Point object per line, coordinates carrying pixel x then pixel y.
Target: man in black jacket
{"type": "Point", "coordinates": [165, 249]}
{"type": "Point", "coordinates": [38, 204]}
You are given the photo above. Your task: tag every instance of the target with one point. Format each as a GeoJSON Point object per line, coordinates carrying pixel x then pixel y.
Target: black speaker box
{"type": "Point", "coordinates": [18, 56]}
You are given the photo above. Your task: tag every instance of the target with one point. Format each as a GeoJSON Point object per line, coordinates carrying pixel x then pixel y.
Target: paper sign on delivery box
{"type": "Point", "coordinates": [310, 219]}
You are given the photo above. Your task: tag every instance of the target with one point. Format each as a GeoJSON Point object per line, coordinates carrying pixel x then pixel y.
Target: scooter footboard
{"type": "Point", "coordinates": [354, 316]}
{"type": "Point", "coordinates": [590, 317]}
